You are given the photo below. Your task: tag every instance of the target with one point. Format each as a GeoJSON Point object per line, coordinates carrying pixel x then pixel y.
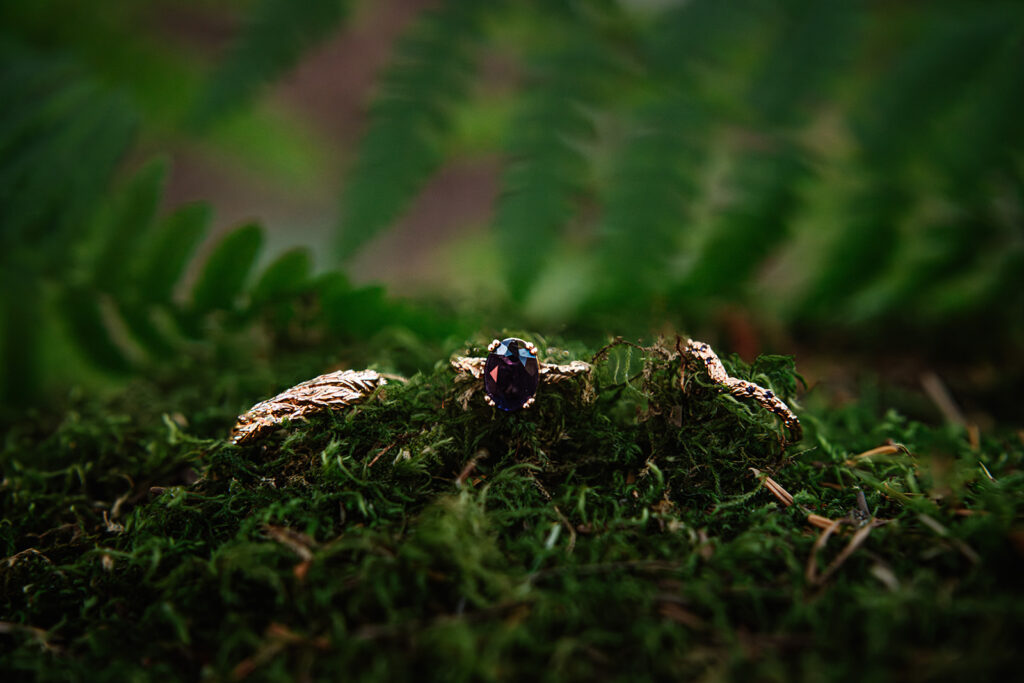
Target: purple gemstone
{"type": "Point", "coordinates": [511, 374]}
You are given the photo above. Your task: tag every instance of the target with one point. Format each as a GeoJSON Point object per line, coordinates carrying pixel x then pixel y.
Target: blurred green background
{"type": "Point", "coordinates": [839, 179]}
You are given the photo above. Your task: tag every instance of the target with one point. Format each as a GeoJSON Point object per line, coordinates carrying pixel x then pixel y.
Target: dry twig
{"type": "Point", "coordinates": [855, 542]}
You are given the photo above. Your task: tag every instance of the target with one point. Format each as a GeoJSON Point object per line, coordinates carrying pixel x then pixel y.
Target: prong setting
{"type": "Point", "coordinates": [511, 373]}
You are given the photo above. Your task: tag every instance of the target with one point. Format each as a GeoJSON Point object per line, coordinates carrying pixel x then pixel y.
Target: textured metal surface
{"type": "Point", "coordinates": [703, 354]}
{"type": "Point", "coordinates": [333, 391]}
{"type": "Point", "coordinates": [464, 365]}
{"type": "Point", "coordinates": [549, 372]}
{"type": "Point", "coordinates": [343, 389]}
{"type": "Point", "coordinates": [470, 373]}
{"type": "Point", "coordinates": [553, 374]}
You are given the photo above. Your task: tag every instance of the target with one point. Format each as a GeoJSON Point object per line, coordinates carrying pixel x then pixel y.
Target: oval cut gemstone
{"type": "Point", "coordinates": [511, 374]}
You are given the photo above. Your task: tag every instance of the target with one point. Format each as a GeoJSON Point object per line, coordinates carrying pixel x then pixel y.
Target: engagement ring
{"type": "Point", "coordinates": [511, 376]}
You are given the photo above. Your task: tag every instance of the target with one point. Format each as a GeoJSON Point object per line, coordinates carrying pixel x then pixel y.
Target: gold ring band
{"type": "Point", "coordinates": [346, 388]}
{"type": "Point", "coordinates": [333, 391]}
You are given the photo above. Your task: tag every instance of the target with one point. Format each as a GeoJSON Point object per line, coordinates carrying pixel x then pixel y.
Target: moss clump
{"type": "Point", "coordinates": [609, 538]}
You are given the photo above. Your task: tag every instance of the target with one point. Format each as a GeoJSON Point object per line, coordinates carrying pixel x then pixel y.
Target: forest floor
{"type": "Point", "coordinates": [631, 532]}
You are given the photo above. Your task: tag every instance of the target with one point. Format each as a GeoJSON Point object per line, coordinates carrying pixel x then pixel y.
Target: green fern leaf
{"type": "Point", "coordinates": [61, 138]}
{"type": "Point", "coordinates": [547, 171]}
{"type": "Point", "coordinates": [658, 172]}
{"type": "Point", "coordinates": [138, 319]}
{"type": "Point", "coordinates": [123, 224]}
{"type": "Point", "coordinates": [860, 243]}
{"type": "Point", "coordinates": [812, 44]}
{"type": "Point", "coordinates": [227, 269]}
{"type": "Point", "coordinates": [275, 36]}
{"type": "Point", "coordinates": [655, 178]}
{"type": "Point", "coordinates": [985, 129]}
{"type": "Point", "coordinates": [430, 74]}
{"type": "Point", "coordinates": [692, 43]}
{"type": "Point", "coordinates": [80, 310]}
{"type": "Point", "coordinates": [929, 76]}
{"type": "Point", "coordinates": [20, 332]}
{"type": "Point", "coordinates": [40, 87]}
{"type": "Point", "coordinates": [285, 277]}
{"type": "Point", "coordinates": [124, 230]}
{"type": "Point", "coordinates": [744, 233]}
{"type": "Point", "coordinates": [170, 250]}
{"type": "Point", "coordinates": [47, 192]}
{"type": "Point", "coordinates": [927, 253]}
{"type": "Point", "coordinates": [994, 283]}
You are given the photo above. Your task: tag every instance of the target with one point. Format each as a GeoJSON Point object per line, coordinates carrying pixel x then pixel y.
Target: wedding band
{"type": "Point", "coordinates": [739, 388]}
{"type": "Point", "coordinates": [333, 391]}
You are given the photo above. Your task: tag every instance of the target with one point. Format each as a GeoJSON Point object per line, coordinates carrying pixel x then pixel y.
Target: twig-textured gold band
{"type": "Point", "coordinates": [739, 388]}
{"type": "Point", "coordinates": [332, 391]}
{"type": "Point", "coordinates": [548, 372]}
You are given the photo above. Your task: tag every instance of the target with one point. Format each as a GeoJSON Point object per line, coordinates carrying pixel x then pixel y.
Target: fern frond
{"type": "Point", "coordinates": [860, 243]}
{"type": "Point", "coordinates": [547, 171]}
{"type": "Point", "coordinates": [122, 224]}
{"type": "Point", "coordinates": [931, 251]}
{"type": "Point", "coordinates": [809, 51]}
{"type": "Point", "coordinates": [657, 174]}
{"type": "Point", "coordinates": [977, 141]}
{"type": "Point", "coordinates": [926, 78]}
{"type": "Point", "coordinates": [764, 186]}
{"type": "Point", "coordinates": [80, 310]}
{"type": "Point", "coordinates": [805, 45]}
{"type": "Point", "coordinates": [227, 270]}
{"type": "Point", "coordinates": [937, 130]}
{"type": "Point", "coordinates": [409, 118]}
{"type": "Point", "coordinates": [655, 178]}
{"type": "Point", "coordinates": [57, 122]}
{"type": "Point", "coordinates": [164, 259]}
{"type": "Point", "coordinates": [992, 284]}
{"type": "Point", "coordinates": [276, 35]}
{"type": "Point", "coordinates": [20, 330]}
{"type": "Point", "coordinates": [61, 137]}
{"type": "Point", "coordinates": [285, 277]}
{"type": "Point", "coordinates": [692, 46]}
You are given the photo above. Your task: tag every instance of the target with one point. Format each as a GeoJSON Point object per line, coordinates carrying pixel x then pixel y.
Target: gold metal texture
{"type": "Point", "coordinates": [702, 354]}
{"type": "Point", "coordinates": [333, 391]}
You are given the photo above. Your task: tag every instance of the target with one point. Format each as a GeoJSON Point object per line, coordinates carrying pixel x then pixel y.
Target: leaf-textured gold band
{"type": "Point", "coordinates": [333, 391]}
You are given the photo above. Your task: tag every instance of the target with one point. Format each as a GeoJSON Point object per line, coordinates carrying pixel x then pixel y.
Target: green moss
{"type": "Point", "coordinates": [621, 537]}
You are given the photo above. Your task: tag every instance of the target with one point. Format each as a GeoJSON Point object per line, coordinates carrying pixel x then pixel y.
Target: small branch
{"type": "Point", "coordinates": [378, 456]}
{"type": "Point", "coordinates": [887, 449]}
{"type": "Point", "coordinates": [482, 454]}
{"type": "Point", "coordinates": [782, 494]}
{"type": "Point", "coordinates": [856, 541]}
{"type": "Point", "coordinates": [819, 521]}
{"type": "Point", "coordinates": [298, 542]}
{"type": "Point", "coordinates": [565, 520]}
{"type": "Point", "coordinates": [41, 636]}
{"type": "Point", "coordinates": [943, 400]}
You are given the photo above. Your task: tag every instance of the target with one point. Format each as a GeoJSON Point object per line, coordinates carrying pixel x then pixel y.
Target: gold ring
{"type": "Point", "coordinates": [333, 391]}
{"type": "Point", "coordinates": [512, 374]}
{"type": "Point", "coordinates": [703, 355]}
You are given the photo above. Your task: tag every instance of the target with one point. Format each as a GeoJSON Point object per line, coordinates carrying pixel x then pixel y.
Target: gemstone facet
{"type": "Point", "coordinates": [511, 374]}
